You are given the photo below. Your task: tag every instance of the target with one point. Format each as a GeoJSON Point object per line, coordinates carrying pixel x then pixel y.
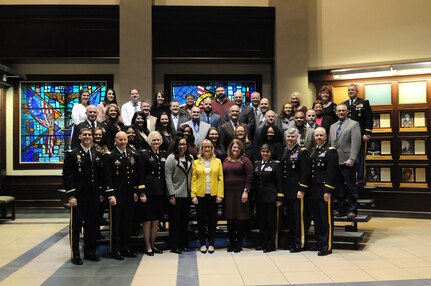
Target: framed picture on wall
{"type": "Point", "coordinates": [382, 122]}
{"type": "Point", "coordinates": [379, 149]}
{"type": "Point", "coordinates": [411, 121]}
{"type": "Point", "coordinates": [413, 149]}
{"type": "Point", "coordinates": [414, 177]}
{"type": "Point", "coordinates": [378, 176]}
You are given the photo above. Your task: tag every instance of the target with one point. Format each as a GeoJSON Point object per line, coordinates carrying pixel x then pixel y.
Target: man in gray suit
{"type": "Point", "coordinates": [209, 116]}
{"type": "Point", "coordinates": [177, 117]}
{"type": "Point", "coordinates": [345, 136]}
{"type": "Point", "coordinates": [200, 128]}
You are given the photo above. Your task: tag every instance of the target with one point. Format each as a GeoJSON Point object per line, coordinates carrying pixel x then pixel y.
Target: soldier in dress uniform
{"type": "Point", "coordinates": [121, 188]}
{"type": "Point", "coordinates": [268, 195]}
{"type": "Point", "coordinates": [324, 161]}
{"type": "Point", "coordinates": [296, 164]}
{"type": "Point", "coordinates": [152, 189]}
{"type": "Point", "coordinates": [82, 173]}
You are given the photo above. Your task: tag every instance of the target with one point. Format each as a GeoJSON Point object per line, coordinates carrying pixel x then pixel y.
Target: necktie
{"type": "Point", "coordinates": [89, 155]}
{"type": "Point", "coordinates": [92, 125]}
{"type": "Point", "coordinates": [135, 106]}
{"type": "Point", "coordinates": [351, 102]}
{"type": "Point", "coordinates": [208, 119]}
{"type": "Point", "coordinates": [339, 128]}
{"type": "Point", "coordinates": [255, 111]}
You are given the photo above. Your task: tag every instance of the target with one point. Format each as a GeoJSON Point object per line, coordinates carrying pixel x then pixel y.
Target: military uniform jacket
{"type": "Point", "coordinates": [151, 172]}
{"type": "Point", "coordinates": [267, 187]}
{"type": "Point", "coordinates": [120, 174]}
{"type": "Point", "coordinates": [324, 163]}
{"type": "Point", "coordinates": [296, 170]}
{"type": "Point", "coordinates": [361, 112]}
{"type": "Point", "coordinates": [82, 177]}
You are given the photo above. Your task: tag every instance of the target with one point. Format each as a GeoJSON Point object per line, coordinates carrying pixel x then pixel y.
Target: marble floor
{"type": "Point", "coordinates": [34, 250]}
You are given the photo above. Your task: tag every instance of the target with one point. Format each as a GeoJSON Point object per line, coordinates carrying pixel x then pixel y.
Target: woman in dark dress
{"type": "Point", "coordinates": [242, 135]}
{"type": "Point", "coordinates": [140, 125]}
{"type": "Point", "coordinates": [152, 189]}
{"type": "Point", "coordinates": [273, 137]}
{"type": "Point", "coordinates": [160, 104]}
{"type": "Point", "coordinates": [238, 177]}
{"type": "Point", "coordinates": [322, 119]}
{"type": "Point", "coordinates": [214, 136]}
{"type": "Point", "coordinates": [325, 95]}
{"type": "Point", "coordinates": [163, 125]}
{"type": "Point", "coordinates": [131, 135]}
{"type": "Point", "coordinates": [113, 122]}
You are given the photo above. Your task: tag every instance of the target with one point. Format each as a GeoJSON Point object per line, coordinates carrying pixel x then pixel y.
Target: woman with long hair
{"type": "Point", "coordinates": [325, 95]}
{"type": "Point", "coordinates": [113, 122]}
{"type": "Point", "coordinates": [214, 136]}
{"type": "Point", "coordinates": [110, 98]}
{"type": "Point", "coordinates": [286, 116]}
{"type": "Point", "coordinates": [274, 139]}
{"type": "Point", "coordinates": [238, 178]}
{"type": "Point", "coordinates": [140, 125]}
{"type": "Point", "coordinates": [163, 125]}
{"type": "Point", "coordinates": [207, 193]}
{"type": "Point", "coordinates": [79, 109]}
{"type": "Point", "coordinates": [178, 173]}
{"type": "Point", "coordinates": [241, 134]}
{"type": "Point", "coordinates": [160, 104]}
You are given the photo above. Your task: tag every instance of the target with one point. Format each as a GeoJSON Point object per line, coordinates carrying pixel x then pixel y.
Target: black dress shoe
{"type": "Point", "coordinates": [186, 249]}
{"type": "Point", "coordinates": [76, 261]}
{"type": "Point", "coordinates": [149, 253]}
{"type": "Point", "coordinates": [128, 253]}
{"type": "Point", "coordinates": [92, 257]}
{"type": "Point", "coordinates": [156, 250]}
{"type": "Point", "coordinates": [177, 251]}
{"type": "Point", "coordinates": [259, 247]}
{"type": "Point", "coordinates": [237, 249]}
{"type": "Point", "coordinates": [117, 256]}
{"type": "Point", "coordinates": [295, 249]}
{"type": "Point", "coordinates": [324, 252]}
{"type": "Point", "coordinates": [230, 249]}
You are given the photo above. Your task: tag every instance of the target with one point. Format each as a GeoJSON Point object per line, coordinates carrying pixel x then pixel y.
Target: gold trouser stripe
{"type": "Point", "coordinates": [301, 209]}
{"type": "Point", "coordinates": [110, 228]}
{"type": "Point", "coordinates": [329, 225]}
{"type": "Point", "coordinates": [70, 231]}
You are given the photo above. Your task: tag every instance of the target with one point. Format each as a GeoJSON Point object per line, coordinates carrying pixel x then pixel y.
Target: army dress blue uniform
{"type": "Point", "coordinates": [296, 171]}
{"type": "Point", "coordinates": [82, 177]}
{"type": "Point", "coordinates": [151, 182]}
{"type": "Point", "coordinates": [121, 182]}
{"type": "Point", "coordinates": [324, 161]}
{"type": "Point", "coordinates": [267, 190]}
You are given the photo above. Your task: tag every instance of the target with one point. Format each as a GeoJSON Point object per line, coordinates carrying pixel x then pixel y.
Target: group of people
{"type": "Point", "coordinates": [148, 160]}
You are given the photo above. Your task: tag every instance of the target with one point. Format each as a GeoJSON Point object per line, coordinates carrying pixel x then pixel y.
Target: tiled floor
{"type": "Point", "coordinates": [35, 251]}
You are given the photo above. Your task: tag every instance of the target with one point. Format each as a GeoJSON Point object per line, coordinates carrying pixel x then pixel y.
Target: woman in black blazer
{"type": "Point", "coordinates": [268, 195]}
{"type": "Point", "coordinates": [152, 189]}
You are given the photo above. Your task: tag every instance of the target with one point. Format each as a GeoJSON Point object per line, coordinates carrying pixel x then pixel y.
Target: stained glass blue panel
{"type": "Point", "coordinates": [179, 90]}
{"type": "Point", "coordinates": [46, 117]}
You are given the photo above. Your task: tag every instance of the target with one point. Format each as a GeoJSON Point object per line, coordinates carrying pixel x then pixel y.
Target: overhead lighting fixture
{"type": "Point", "coordinates": [383, 71]}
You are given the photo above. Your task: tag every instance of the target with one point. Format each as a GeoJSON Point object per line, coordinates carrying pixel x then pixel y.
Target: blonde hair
{"type": "Point", "coordinates": [201, 148]}
{"type": "Point", "coordinates": [152, 135]}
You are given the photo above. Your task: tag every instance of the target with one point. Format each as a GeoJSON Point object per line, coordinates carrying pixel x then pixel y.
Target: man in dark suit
{"type": "Point", "coordinates": [121, 188]}
{"type": "Point", "coordinates": [177, 117]}
{"type": "Point", "coordinates": [91, 123]}
{"type": "Point", "coordinates": [227, 130]}
{"type": "Point", "coordinates": [324, 161]}
{"type": "Point", "coordinates": [209, 116]}
{"type": "Point", "coordinates": [345, 136]}
{"type": "Point", "coordinates": [246, 115]}
{"type": "Point", "coordinates": [82, 176]}
{"type": "Point", "coordinates": [360, 111]}
{"type": "Point", "coordinates": [296, 172]}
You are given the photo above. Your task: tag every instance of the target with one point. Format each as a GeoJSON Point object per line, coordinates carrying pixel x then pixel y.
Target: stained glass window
{"type": "Point", "coordinates": [199, 89]}
{"type": "Point", "coordinates": [45, 117]}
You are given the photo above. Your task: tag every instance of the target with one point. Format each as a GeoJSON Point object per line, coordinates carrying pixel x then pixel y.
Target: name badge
{"type": "Point", "coordinates": [269, 169]}
{"type": "Point", "coordinates": [163, 159]}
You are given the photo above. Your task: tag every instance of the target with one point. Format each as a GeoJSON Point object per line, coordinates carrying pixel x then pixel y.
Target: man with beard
{"type": "Point", "coordinates": [221, 103]}
{"type": "Point", "coordinates": [190, 102]}
{"type": "Point", "coordinates": [306, 135]}
{"type": "Point", "coordinates": [209, 116]}
{"type": "Point", "coordinates": [199, 127]}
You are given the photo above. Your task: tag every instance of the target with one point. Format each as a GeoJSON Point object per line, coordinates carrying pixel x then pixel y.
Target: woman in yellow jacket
{"type": "Point", "coordinates": [207, 192]}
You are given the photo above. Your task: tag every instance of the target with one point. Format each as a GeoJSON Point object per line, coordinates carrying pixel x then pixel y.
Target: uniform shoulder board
{"type": "Point", "coordinates": [257, 161]}
{"type": "Point", "coordinates": [303, 148]}
{"type": "Point", "coordinates": [68, 151]}
{"type": "Point", "coordinates": [108, 152]}
{"type": "Point", "coordinates": [332, 148]}
{"type": "Point", "coordinates": [276, 161]}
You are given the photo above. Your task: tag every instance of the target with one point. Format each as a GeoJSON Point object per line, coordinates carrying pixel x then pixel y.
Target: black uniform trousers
{"type": "Point", "coordinates": [323, 224]}
{"type": "Point", "coordinates": [236, 229]}
{"type": "Point", "coordinates": [350, 195]}
{"type": "Point", "coordinates": [296, 222]}
{"type": "Point", "coordinates": [84, 214]}
{"type": "Point", "coordinates": [207, 209]}
{"type": "Point", "coordinates": [121, 219]}
{"type": "Point", "coordinates": [179, 223]}
{"type": "Point", "coordinates": [267, 222]}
